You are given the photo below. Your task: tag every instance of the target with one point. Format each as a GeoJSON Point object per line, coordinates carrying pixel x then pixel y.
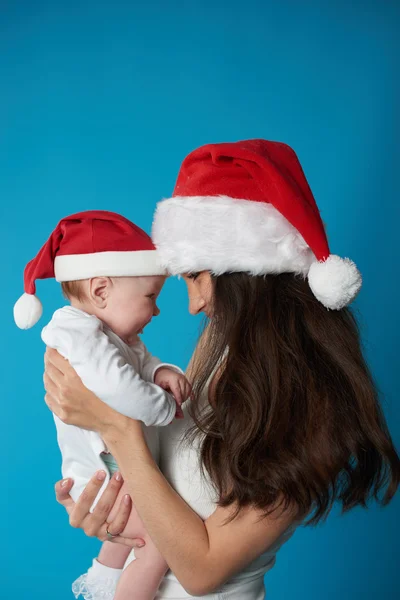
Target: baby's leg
{"type": "Point", "coordinates": [100, 582]}
{"type": "Point", "coordinates": [142, 577]}
{"type": "Point", "coordinates": [113, 555]}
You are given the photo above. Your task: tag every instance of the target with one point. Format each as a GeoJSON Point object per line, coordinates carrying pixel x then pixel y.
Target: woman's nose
{"type": "Point", "coordinates": [196, 304]}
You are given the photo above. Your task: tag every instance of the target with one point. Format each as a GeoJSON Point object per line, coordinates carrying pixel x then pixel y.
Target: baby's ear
{"type": "Point", "coordinates": [99, 290]}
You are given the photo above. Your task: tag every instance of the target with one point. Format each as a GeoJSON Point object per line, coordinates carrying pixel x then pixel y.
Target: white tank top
{"type": "Point", "coordinates": [181, 467]}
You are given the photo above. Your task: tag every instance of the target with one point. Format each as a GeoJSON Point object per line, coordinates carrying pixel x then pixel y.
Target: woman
{"type": "Point", "coordinates": [284, 419]}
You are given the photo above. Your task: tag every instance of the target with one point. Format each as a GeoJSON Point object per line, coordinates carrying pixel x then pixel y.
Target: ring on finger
{"type": "Point", "coordinates": [110, 535]}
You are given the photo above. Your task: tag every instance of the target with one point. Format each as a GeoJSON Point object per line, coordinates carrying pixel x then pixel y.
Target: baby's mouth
{"type": "Point", "coordinates": [144, 326]}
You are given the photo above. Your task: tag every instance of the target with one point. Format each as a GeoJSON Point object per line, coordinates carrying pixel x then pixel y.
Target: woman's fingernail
{"type": "Point", "coordinates": [127, 499]}
{"type": "Point", "coordinates": [100, 475]}
{"type": "Point", "coordinates": [118, 476]}
{"type": "Point", "coordinates": [140, 545]}
{"type": "Point", "coordinates": [64, 482]}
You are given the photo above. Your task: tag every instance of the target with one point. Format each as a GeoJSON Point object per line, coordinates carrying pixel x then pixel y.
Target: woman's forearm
{"type": "Point", "coordinates": [193, 549]}
{"type": "Point", "coordinates": [177, 531]}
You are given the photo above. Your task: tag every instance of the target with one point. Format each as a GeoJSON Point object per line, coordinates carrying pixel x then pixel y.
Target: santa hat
{"type": "Point", "coordinates": [247, 206]}
{"type": "Point", "coordinates": [88, 244]}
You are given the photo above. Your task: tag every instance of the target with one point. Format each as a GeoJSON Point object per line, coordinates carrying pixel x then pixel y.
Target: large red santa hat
{"type": "Point", "coordinates": [88, 244]}
{"type": "Point", "coordinates": [247, 206]}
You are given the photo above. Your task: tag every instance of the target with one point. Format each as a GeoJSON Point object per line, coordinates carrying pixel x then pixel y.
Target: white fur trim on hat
{"type": "Point", "coordinates": [222, 234]}
{"type": "Point", "coordinates": [27, 311]}
{"type": "Point", "coordinates": [335, 282]}
{"type": "Point", "coordinates": [135, 263]}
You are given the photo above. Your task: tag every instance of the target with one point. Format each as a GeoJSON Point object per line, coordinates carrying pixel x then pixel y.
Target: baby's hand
{"type": "Point", "coordinates": [176, 384]}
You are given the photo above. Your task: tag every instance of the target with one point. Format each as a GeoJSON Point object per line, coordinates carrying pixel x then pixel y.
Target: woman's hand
{"type": "Point", "coordinates": [96, 524]}
{"type": "Point", "coordinates": [70, 400]}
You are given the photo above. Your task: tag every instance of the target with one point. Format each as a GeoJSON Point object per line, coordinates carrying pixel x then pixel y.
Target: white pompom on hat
{"type": "Point", "coordinates": [335, 282]}
{"type": "Point", "coordinates": [27, 311]}
{"type": "Point", "coordinates": [89, 244]}
{"type": "Point", "coordinates": [247, 206]}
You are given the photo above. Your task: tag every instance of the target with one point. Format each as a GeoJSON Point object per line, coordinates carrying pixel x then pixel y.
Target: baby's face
{"type": "Point", "coordinates": [131, 305]}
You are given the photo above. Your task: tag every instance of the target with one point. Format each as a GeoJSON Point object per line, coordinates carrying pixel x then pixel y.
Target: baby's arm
{"type": "Point", "coordinates": [103, 369]}
{"type": "Point", "coordinates": [169, 377]}
{"type": "Point", "coordinates": [151, 364]}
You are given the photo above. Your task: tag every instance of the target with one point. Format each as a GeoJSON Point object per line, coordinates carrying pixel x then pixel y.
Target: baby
{"type": "Point", "coordinates": [109, 271]}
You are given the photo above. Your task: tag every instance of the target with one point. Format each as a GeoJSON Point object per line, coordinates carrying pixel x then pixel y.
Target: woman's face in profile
{"type": "Point", "coordinates": [200, 292]}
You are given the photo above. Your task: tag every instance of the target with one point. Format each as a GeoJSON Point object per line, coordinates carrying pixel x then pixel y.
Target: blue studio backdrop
{"type": "Point", "coordinates": [99, 103]}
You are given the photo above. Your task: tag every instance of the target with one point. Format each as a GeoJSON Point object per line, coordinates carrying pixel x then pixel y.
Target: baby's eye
{"type": "Point", "coordinates": [151, 296]}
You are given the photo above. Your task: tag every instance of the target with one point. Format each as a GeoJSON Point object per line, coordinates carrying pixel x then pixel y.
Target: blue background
{"type": "Point", "coordinates": [99, 103]}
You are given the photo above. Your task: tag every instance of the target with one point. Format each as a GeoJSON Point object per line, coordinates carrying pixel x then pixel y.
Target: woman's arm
{"type": "Point", "coordinates": [192, 548]}
{"type": "Point", "coordinates": [105, 370]}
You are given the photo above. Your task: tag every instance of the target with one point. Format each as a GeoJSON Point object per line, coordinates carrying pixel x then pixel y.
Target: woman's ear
{"type": "Point", "coordinates": [99, 291]}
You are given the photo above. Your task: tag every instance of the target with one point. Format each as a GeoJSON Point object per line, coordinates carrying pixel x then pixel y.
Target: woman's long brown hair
{"type": "Point", "coordinates": [293, 417]}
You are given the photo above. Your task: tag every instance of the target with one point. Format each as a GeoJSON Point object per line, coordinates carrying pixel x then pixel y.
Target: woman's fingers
{"type": "Point", "coordinates": [106, 503]}
{"type": "Point", "coordinates": [55, 408]}
{"type": "Point", "coordinates": [86, 499]}
{"type": "Point", "coordinates": [54, 358]}
{"type": "Point", "coordinates": [51, 370]}
{"type": "Point", "coordinates": [93, 523]}
{"type": "Point", "coordinates": [131, 543]}
{"type": "Point", "coordinates": [118, 524]}
{"type": "Point", "coordinates": [49, 384]}
{"type": "Point", "coordinates": [53, 405]}
{"type": "Point", "coordinates": [62, 489]}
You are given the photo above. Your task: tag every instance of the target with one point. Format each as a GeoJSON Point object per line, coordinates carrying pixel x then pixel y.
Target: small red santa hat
{"type": "Point", "coordinates": [88, 244]}
{"type": "Point", "coordinates": [247, 206]}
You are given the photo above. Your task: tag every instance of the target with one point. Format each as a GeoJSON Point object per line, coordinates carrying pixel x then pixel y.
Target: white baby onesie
{"type": "Point", "coordinates": [121, 375]}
